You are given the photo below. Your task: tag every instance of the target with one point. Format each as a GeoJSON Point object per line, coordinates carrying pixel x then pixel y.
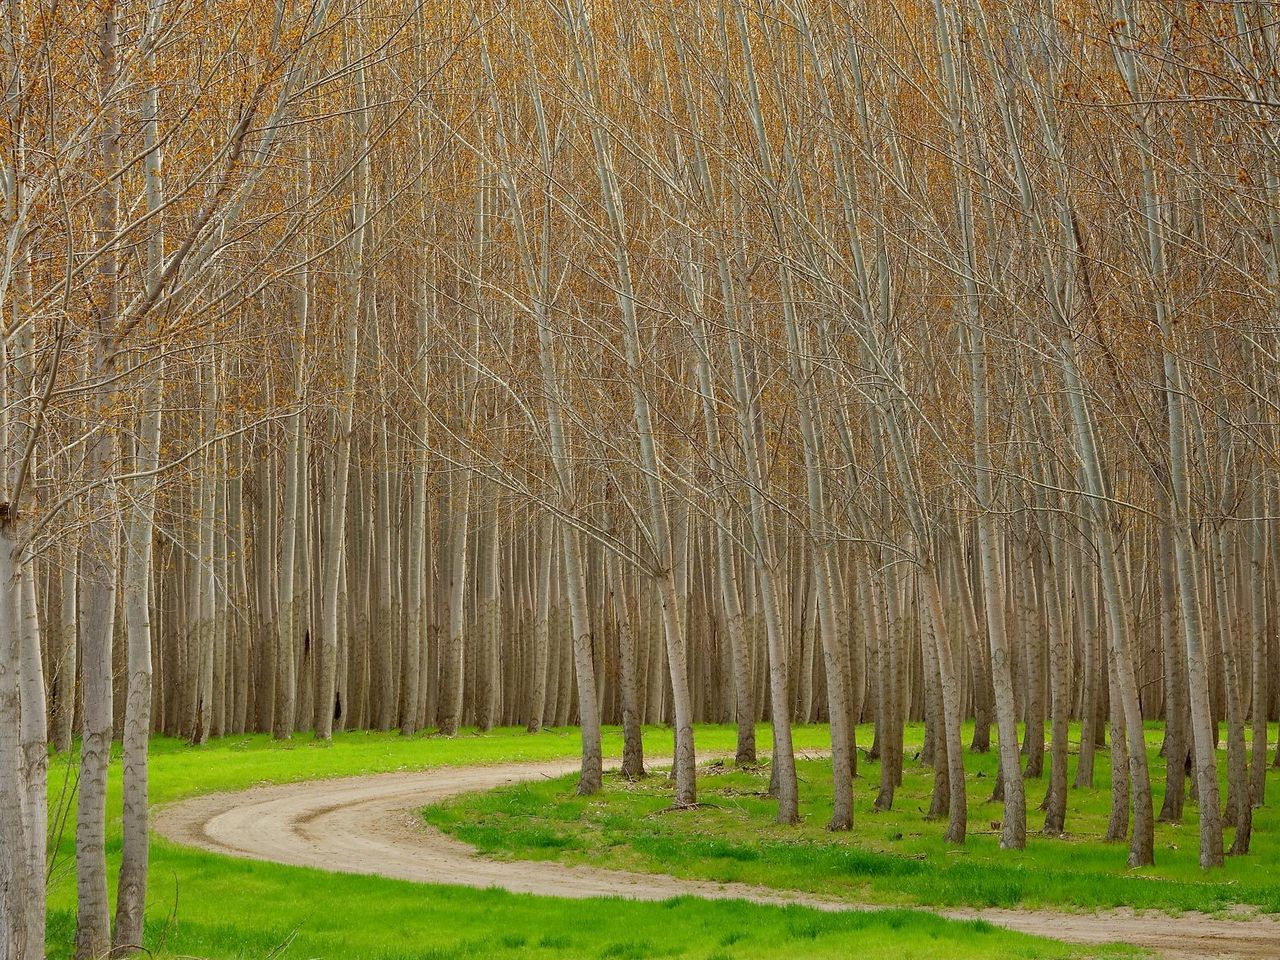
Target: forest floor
{"type": "Point", "coordinates": [209, 905]}
{"type": "Point", "coordinates": [896, 857]}
{"type": "Point", "coordinates": [370, 825]}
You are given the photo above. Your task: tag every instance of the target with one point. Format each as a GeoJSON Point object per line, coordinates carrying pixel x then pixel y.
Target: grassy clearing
{"type": "Point", "coordinates": [206, 905]}
{"type": "Point", "coordinates": [891, 858]}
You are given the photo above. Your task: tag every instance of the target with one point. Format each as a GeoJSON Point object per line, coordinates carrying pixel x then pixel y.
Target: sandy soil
{"type": "Point", "coordinates": [370, 825]}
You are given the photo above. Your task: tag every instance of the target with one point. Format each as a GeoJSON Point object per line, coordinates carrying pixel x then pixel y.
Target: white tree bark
{"type": "Point", "coordinates": [99, 553]}
{"type": "Point", "coordinates": [131, 890]}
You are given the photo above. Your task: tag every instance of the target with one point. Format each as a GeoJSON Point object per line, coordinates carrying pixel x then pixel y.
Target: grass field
{"type": "Point", "coordinates": [206, 905]}
{"type": "Point", "coordinates": [893, 858]}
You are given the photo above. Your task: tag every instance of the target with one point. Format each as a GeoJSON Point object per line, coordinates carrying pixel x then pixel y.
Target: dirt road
{"type": "Point", "coordinates": [370, 825]}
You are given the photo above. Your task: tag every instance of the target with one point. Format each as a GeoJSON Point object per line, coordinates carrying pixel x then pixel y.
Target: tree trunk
{"type": "Point", "coordinates": [35, 758]}
{"type": "Point", "coordinates": [131, 891]}
{"type": "Point", "coordinates": [18, 901]}
{"type": "Point", "coordinates": [632, 739]}
{"type": "Point", "coordinates": [99, 553]}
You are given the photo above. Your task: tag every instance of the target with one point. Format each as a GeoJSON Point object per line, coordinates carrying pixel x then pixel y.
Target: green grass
{"type": "Point", "coordinates": [894, 858]}
{"type": "Point", "coordinates": [206, 905]}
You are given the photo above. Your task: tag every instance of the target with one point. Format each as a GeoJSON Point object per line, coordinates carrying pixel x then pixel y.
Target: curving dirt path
{"type": "Point", "coordinates": [370, 825]}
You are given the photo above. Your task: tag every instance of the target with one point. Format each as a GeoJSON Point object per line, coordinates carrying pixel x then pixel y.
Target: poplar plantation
{"type": "Point", "coordinates": [407, 367]}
